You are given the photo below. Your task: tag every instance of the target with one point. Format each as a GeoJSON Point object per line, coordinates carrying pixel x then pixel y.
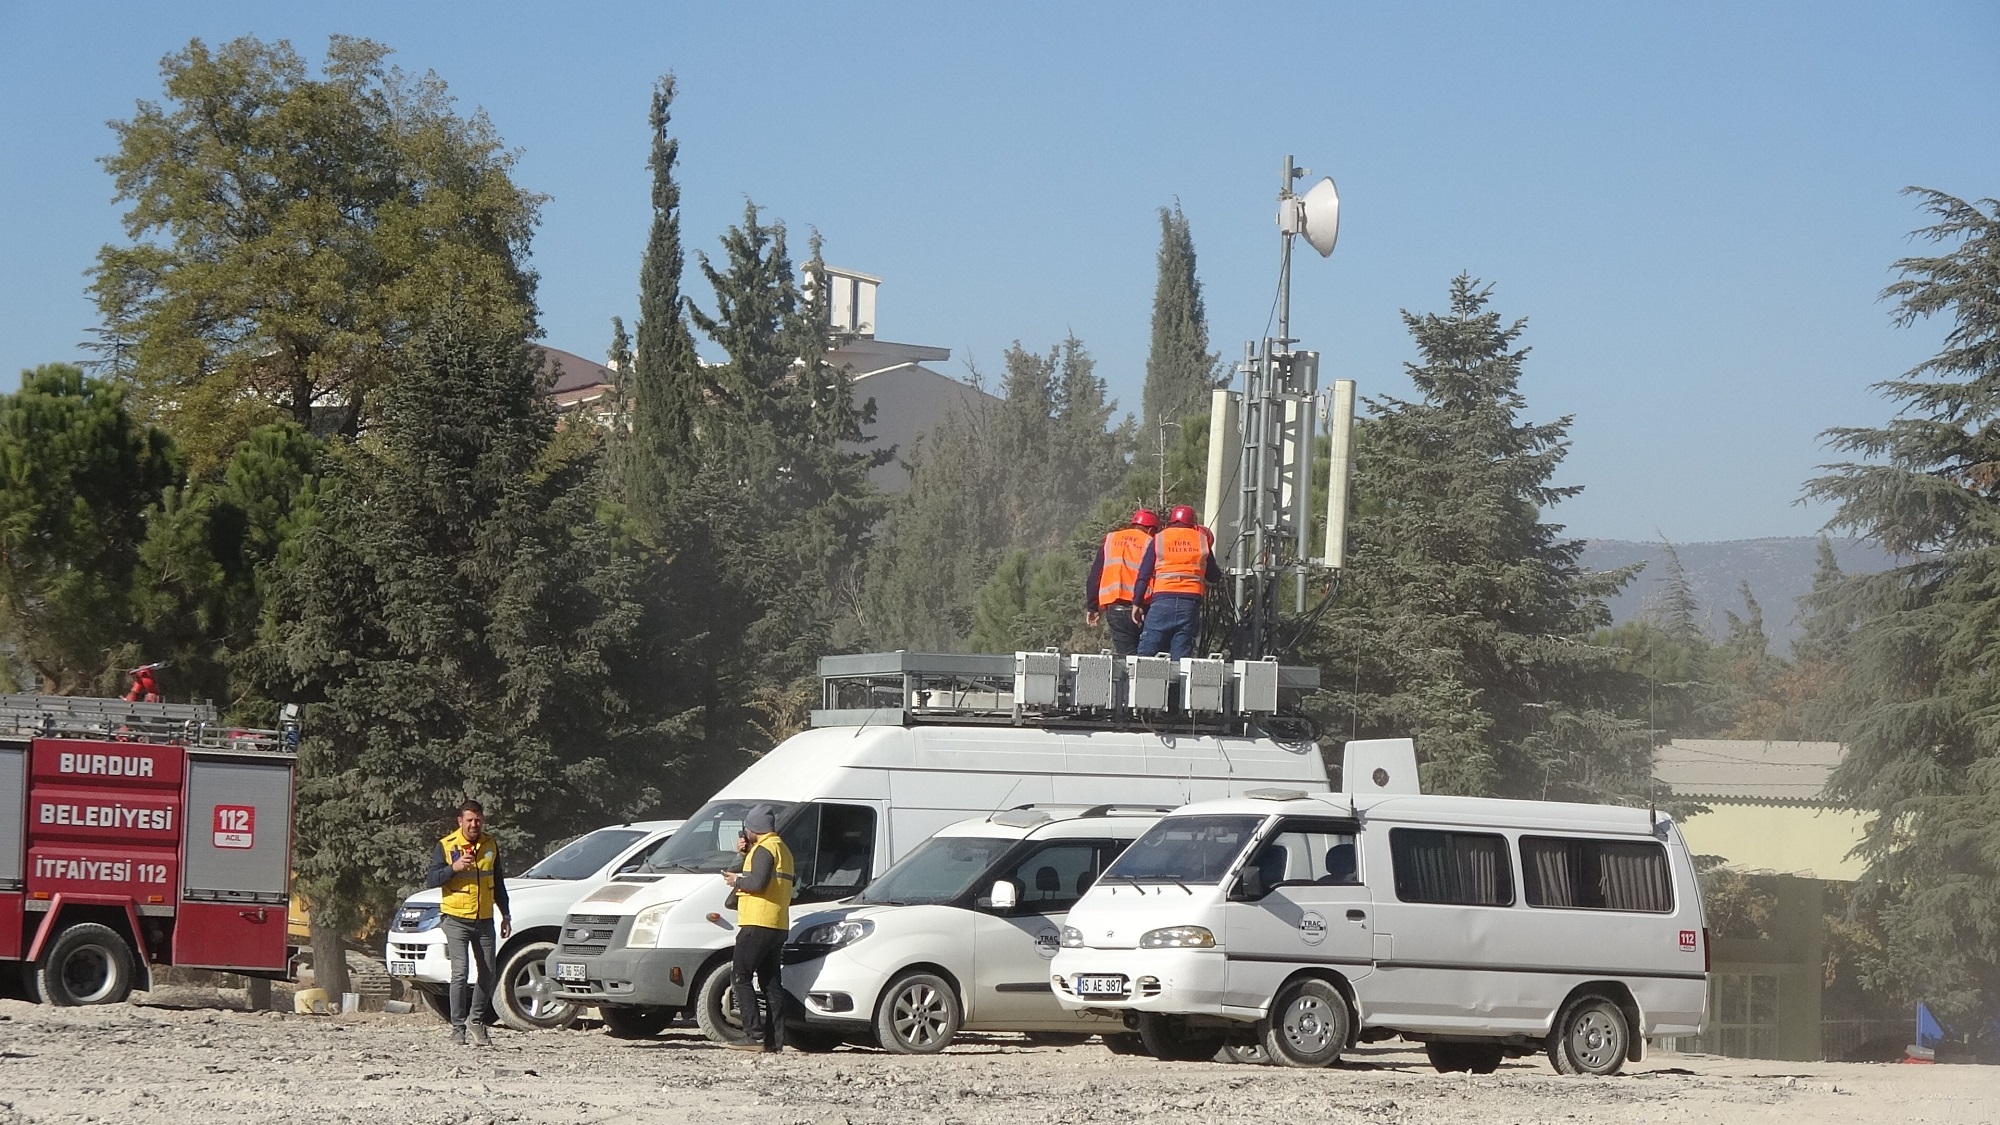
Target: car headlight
{"type": "Point", "coordinates": [415, 919]}
{"type": "Point", "coordinates": [646, 925]}
{"type": "Point", "coordinates": [1072, 938]}
{"type": "Point", "coordinates": [1178, 937]}
{"type": "Point", "coordinates": [833, 935]}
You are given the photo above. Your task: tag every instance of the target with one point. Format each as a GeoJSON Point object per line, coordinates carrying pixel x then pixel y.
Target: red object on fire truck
{"type": "Point", "coordinates": [135, 834]}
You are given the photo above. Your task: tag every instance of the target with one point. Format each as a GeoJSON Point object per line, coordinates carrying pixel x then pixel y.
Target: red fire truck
{"type": "Point", "coordinates": [135, 834]}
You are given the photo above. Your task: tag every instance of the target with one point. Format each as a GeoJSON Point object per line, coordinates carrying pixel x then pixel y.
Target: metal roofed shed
{"type": "Point", "coordinates": [1745, 771]}
{"type": "Point", "coordinates": [1047, 688]}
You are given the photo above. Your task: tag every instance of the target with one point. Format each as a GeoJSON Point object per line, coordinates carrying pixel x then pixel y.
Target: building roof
{"type": "Point", "coordinates": [578, 381]}
{"type": "Point", "coordinates": [1745, 771]}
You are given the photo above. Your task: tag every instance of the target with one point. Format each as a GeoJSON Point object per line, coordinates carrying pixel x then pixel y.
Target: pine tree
{"type": "Point", "coordinates": [1913, 695]}
{"type": "Point", "coordinates": [1464, 618]}
{"type": "Point", "coordinates": [1180, 370]}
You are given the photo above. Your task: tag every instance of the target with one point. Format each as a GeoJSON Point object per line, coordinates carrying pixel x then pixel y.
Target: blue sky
{"type": "Point", "coordinates": [1694, 205]}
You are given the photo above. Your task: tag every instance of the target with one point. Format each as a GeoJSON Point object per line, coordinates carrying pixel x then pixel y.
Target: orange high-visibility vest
{"type": "Point", "coordinates": [1180, 561]}
{"type": "Point", "coordinates": [1119, 579]}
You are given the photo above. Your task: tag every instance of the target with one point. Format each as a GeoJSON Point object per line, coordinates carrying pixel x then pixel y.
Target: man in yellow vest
{"type": "Point", "coordinates": [467, 865]}
{"type": "Point", "coordinates": [1174, 576]}
{"type": "Point", "coordinates": [763, 916]}
{"type": "Point", "coordinates": [1111, 588]}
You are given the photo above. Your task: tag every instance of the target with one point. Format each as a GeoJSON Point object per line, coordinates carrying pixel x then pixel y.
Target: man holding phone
{"type": "Point", "coordinates": [763, 916]}
{"type": "Point", "coordinates": [467, 865]}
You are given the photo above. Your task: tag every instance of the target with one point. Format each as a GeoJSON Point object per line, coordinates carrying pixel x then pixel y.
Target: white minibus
{"type": "Point", "coordinates": [1303, 923]}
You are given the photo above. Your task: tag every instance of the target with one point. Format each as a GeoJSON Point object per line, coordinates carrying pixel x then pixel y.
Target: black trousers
{"type": "Point", "coordinates": [462, 935]}
{"type": "Point", "coordinates": [1124, 631]}
{"type": "Point", "coordinates": [759, 953]}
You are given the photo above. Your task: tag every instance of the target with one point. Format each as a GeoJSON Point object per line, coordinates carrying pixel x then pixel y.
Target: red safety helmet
{"type": "Point", "coordinates": [1146, 518]}
{"type": "Point", "coordinates": [1182, 516]}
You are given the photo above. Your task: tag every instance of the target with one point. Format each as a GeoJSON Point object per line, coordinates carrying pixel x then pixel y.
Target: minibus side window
{"type": "Point", "coordinates": [1574, 874]}
{"type": "Point", "coordinates": [1454, 868]}
{"type": "Point", "coordinates": [1309, 853]}
{"type": "Point", "coordinates": [1055, 876]}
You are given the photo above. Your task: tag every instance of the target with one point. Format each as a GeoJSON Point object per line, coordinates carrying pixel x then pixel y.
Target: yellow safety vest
{"type": "Point", "coordinates": [771, 907]}
{"type": "Point", "coordinates": [469, 893]}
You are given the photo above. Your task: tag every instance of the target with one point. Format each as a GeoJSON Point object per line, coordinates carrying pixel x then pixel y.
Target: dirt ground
{"type": "Point", "coordinates": [144, 1063]}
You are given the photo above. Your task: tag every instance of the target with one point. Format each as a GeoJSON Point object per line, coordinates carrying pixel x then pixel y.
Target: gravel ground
{"type": "Point", "coordinates": [146, 1063]}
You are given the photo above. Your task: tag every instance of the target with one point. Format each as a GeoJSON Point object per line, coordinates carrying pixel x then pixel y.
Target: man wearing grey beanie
{"type": "Point", "coordinates": [763, 916]}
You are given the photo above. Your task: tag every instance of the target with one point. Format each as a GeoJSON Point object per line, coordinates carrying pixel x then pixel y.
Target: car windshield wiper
{"type": "Point", "coordinates": [1128, 878]}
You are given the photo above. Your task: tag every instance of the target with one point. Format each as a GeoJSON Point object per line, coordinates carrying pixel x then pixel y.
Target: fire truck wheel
{"type": "Point", "coordinates": [86, 964]}
{"type": "Point", "coordinates": [527, 994]}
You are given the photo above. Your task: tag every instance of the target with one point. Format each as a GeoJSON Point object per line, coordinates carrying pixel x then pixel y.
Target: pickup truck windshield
{"type": "Point", "coordinates": [1185, 849]}
{"type": "Point", "coordinates": [940, 870]}
{"type": "Point", "coordinates": [584, 856]}
{"type": "Point", "coordinates": [707, 842]}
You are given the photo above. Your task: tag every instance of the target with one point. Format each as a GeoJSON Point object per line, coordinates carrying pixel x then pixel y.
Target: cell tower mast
{"type": "Point", "coordinates": [1260, 447]}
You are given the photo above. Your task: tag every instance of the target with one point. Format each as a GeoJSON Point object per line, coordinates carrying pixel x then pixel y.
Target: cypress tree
{"type": "Point", "coordinates": [1180, 370]}
{"type": "Point", "coordinates": [663, 386]}
{"type": "Point", "coordinates": [1912, 694]}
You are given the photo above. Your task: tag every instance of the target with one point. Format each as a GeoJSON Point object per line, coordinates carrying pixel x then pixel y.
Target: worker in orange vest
{"type": "Point", "coordinates": [1174, 575]}
{"type": "Point", "coordinates": [1111, 589]}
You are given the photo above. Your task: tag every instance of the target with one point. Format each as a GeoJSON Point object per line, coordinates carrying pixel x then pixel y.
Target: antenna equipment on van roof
{"type": "Point", "coordinates": [1053, 689]}
{"type": "Point", "coordinates": [1261, 442]}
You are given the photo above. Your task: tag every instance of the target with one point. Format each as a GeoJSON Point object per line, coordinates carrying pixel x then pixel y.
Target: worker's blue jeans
{"type": "Point", "coordinates": [1173, 625]}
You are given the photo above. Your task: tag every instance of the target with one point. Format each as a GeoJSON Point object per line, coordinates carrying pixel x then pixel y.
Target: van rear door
{"type": "Point", "coordinates": [1315, 910]}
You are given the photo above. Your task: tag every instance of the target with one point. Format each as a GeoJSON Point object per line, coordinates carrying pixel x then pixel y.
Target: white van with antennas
{"type": "Point", "coordinates": [904, 744]}
{"type": "Point", "coordinates": [1306, 922]}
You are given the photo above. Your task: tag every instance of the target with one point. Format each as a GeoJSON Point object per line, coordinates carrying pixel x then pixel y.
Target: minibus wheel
{"type": "Point", "coordinates": [918, 1014]}
{"type": "Point", "coordinates": [1308, 1024]}
{"type": "Point", "coordinates": [1170, 1040]}
{"type": "Point", "coordinates": [1591, 1037]}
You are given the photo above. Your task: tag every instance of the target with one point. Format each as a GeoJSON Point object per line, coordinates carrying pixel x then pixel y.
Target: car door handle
{"type": "Point", "coordinates": [1357, 915]}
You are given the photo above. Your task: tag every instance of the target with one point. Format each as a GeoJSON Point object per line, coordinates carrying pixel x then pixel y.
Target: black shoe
{"type": "Point", "coordinates": [479, 1037]}
{"type": "Point", "coordinates": [458, 1036]}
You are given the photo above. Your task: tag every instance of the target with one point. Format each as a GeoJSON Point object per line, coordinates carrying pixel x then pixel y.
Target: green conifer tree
{"type": "Point", "coordinates": [1913, 696]}
{"type": "Point", "coordinates": [1180, 370]}
{"type": "Point", "coordinates": [1464, 618]}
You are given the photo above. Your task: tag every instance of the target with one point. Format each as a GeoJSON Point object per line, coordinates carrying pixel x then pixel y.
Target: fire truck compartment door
{"type": "Point", "coordinates": [239, 831]}
{"type": "Point", "coordinates": [13, 814]}
{"type": "Point", "coordinates": [236, 872]}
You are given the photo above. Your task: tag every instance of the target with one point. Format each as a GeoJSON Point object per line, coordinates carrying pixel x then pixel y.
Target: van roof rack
{"type": "Point", "coordinates": [1051, 689]}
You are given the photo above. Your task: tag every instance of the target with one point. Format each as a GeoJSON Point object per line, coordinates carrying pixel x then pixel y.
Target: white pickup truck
{"type": "Point", "coordinates": [540, 897]}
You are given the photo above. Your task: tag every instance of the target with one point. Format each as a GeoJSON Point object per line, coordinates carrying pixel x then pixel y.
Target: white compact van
{"type": "Point", "coordinates": [1482, 928]}
{"type": "Point", "coordinates": [957, 935]}
{"type": "Point", "coordinates": [540, 897]}
{"type": "Point", "coordinates": [644, 947]}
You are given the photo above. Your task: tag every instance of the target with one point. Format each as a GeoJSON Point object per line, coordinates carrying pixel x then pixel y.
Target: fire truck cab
{"type": "Point", "coordinates": [138, 834]}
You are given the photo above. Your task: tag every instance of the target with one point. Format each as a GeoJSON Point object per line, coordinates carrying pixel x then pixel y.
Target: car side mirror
{"type": "Point", "coordinates": [1250, 885]}
{"type": "Point", "coordinates": [1003, 896]}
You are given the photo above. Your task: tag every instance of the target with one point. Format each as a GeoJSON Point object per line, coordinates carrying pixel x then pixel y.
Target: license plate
{"type": "Point", "coordinates": [1100, 985]}
{"type": "Point", "coordinates": [402, 968]}
{"type": "Point", "coordinates": [570, 970]}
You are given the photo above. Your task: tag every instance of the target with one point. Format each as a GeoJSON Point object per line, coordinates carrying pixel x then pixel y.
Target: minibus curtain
{"type": "Point", "coordinates": [1451, 867]}
{"type": "Point", "coordinates": [1596, 874]}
